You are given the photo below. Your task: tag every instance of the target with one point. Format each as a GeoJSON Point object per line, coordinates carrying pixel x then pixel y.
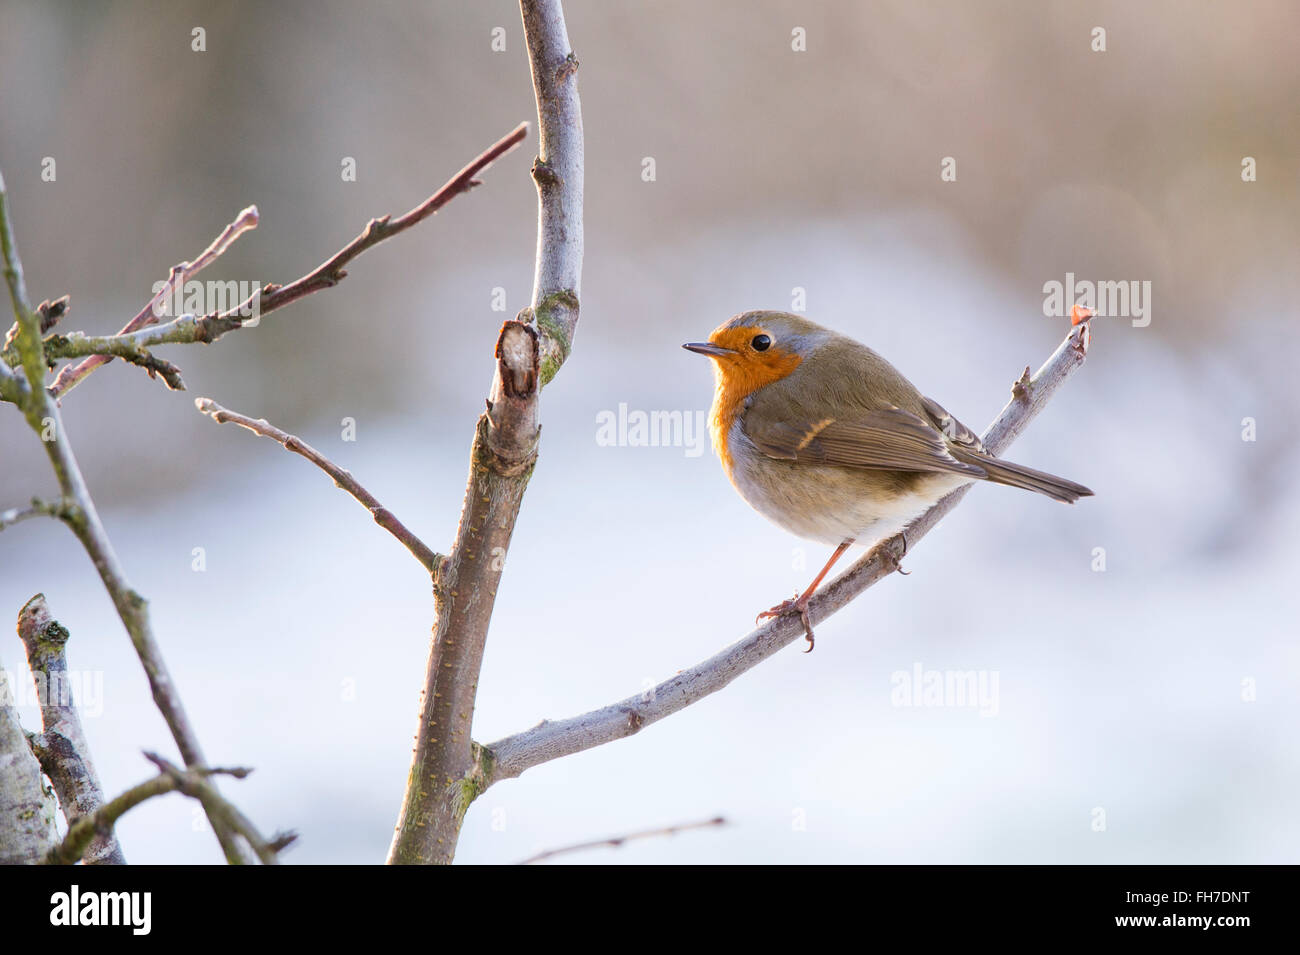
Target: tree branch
{"type": "Point", "coordinates": [444, 780]}
{"type": "Point", "coordinates": [121, 345]}
{"type": "Point", "coordinates": [615, 842]}
{"type": "Point", "coordinates": [99, 824]}
{"type": "Point", "coordinates": [509, 757]}
{"type": "Point", "coordinates": [342, 477]}
{"type": "Point", "coordinates": [61, 747]}
{"type": "Point", "coordinates": [194, 782]}
{"type": "Point", "coordinates": [71, 376]}
{"type": "Point", "coordinates": [446, 766]}
{"type": "Point", "coordinates": [50, 314]}
{"type": "Point", "coordinates": [187, 329]}
{"type": "Point", "coordinates": [42, 413]}
{"type": "Point", "coordinates": [37, 508]}
{"type": "Point", "coordinates": [558, 173]}
{"type": "Point", "coordinates": [28, 335]}
{"type": "Point", "coordinates": [27, 810]}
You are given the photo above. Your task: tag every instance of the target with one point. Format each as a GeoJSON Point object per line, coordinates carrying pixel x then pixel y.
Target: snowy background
{"type": "Point", "coordinates": [1162, 692]}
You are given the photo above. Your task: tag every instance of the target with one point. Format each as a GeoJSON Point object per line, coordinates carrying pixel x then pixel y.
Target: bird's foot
{"type": "Point", "coordinates": [897, 561]}
{"type": "Point", "coordinates": [799, 605]}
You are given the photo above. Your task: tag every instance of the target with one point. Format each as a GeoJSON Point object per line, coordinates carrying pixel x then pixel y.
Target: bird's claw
{"type": "Point", "coordinates": [786, 606]}
{"type": "Point", "coordinates": [783, 607]}
{"type": "Point", "coordinates": [898, 561]}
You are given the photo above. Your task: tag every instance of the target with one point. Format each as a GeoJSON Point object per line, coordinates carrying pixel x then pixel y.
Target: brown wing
{"type": "Point", "coordinates": [968, 448]}
{"type": "Point", "coordinates": [887, 439]}
{"type": "Point", "coordinates": [952, 429]}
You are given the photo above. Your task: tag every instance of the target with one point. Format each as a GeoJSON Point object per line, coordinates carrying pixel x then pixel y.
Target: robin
{"type": "Point", "coordinates": [826, 439]}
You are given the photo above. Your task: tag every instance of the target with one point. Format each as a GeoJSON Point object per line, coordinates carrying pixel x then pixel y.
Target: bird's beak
{"type": "Point", "coordinates": [708, 348]}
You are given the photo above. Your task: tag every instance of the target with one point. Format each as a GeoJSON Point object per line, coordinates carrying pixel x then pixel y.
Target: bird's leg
{"type": "Point", "coordinates": [800, 603]}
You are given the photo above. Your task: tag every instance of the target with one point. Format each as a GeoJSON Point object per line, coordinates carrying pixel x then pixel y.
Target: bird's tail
{"type": "Point", "coordinates": [1017, 475]}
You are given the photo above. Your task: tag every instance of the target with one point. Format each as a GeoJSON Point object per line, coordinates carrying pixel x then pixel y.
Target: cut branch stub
{"type": "Point", "coordinates": [513, 406]}
{"type": "Point", "coordinates": [516, 355]}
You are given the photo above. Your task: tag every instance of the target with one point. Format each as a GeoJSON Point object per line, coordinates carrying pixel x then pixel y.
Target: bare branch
{"type": "Point", "coordinates": [50, 313]}
{"type": "Point", "coordinates": [28, 336]}
{"type": "Point", "coordinates": [86, 829]}
{"type": "Point", "coordinates": [27, 810]}
{"type": "Point", "coordinates": [615, 842]}
{"type": "Point", "coordinates": [37, 508]}
{"type": "Point", "coordinates": [187, 329]}
{"type": "Point", "coordinates": [42, 413]}
{"type": "Point", "coordinates": [83, 520]}
{"type": "Point", "coordinates": [71, 376]}
{"type": "Point", "coordinates": [113, 346]}
{"type": "Point", "coordinates": [194, 782]}
{"type": "Point", "coordinates": [508, 757]}
{"type": "Point", "coordinates": [53, 312]}
{"type": "Point", "coordinates": [558, 172]}
{"type": "Point", "coordinates": [342, 477]}
{"type": "Point", "coordinates": [444, 779]}
{"type": "Point", "coordinates": [331, 272]}
{"type": "Point", "coordinates": [61, 747]}
{"type": "Point", "coordinates": [41, 410]}
{"type": "Point", "coordinates": [446, 766]}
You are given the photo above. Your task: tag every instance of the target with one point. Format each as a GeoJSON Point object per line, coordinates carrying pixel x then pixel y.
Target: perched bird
{"type": "Point", "coordinates": [826, 439]}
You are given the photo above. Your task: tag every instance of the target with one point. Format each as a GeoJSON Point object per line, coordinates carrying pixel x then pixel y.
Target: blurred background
{"type": "Point", "coordinates": [1145, 712]}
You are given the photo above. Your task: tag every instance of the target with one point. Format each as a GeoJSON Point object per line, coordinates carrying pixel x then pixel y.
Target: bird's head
{"type": "Point", "coordinates": [754, 349]}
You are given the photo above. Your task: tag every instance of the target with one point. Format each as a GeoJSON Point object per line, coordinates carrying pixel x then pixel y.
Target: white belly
{"type": "Point", "coordinates": [827, 504]}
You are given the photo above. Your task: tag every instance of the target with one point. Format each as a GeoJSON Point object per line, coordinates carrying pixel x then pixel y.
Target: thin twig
{"type": "Point", "coordinates": [330, 272]}
{"type": "Point", "coordinates": [115, 346]}
{"type": "Point", "coordinates": [508, 757]}
{"type": "Point", "coordinates": [28, 336]}
{"type": "Point", "coordinates": [188, 329]}
{"type": "Point", "coordinates": [615, 842]}
{"type": "Point", "coordinates": [50, 313]}
{"type": "Point", "coordinates": [61, 746]}
{"type": "Point", "coordinates": [342, 477]}
{"type": "Point", "coordinates": [83, 830]}
{"type": "Point", "coordinates": [199, 786]}
{"type": "Point", "coordinates": [194, 782]}
{"type": "Point", "coordinates": [71, 376]}
{"type": "Point", "coordinates": [37, 508]}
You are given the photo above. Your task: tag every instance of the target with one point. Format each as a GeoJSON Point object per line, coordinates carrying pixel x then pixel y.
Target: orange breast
{"type": "Point", "coordinates": [737, 379]}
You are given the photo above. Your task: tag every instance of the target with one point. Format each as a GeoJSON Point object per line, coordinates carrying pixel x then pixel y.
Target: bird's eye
{"type": "Point", "coordinates": [760, 343]}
